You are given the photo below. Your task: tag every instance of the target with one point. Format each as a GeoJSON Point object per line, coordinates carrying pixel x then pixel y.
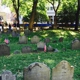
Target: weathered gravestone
{"type": "Point", "coordinates": [27, 32]}
{"type": "Point", "coordinates": [75, 44]}
{"type": "Point", "coordinates": [15, 33]}
{"type": "Point", "coordinates": [17, 52]}
{"type": "Point", "coordinates": [47, 40]}
{"type": "Point", "coordinates": [23, 39]}
{"type": "Point", "coordinates": [50, 48]}
{"type": "Point", "coordinates": [40, 45]}
{"type": "Point", "coordinates": [61, 39]}
{"type": "Point", "coordinates": [4, 50]}
{"type": "Point", "coordinates": [26, 49]}
{"type": "Point", "coordinates": [35, 39]}
{"type": "Point", "coordinates": [7, 75]}
{"type": "Point", "coordinates": [63, 71]}
{"type": "Point", "coordinates": [37, 71]}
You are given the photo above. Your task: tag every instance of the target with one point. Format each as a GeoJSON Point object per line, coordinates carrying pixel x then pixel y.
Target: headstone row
{"type": "Point", "coordinates": [40, 71]}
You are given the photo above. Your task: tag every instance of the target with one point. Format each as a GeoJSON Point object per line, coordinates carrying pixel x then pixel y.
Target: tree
{"type": "Point", "coordinates": [77, 15]}
{"type": "Point", "coordinates": [66, 13]}
{"type": "Point", "coordinates": [31, 22]}
{"type": "Point", "coordinates": [54, 3]}
{"type": "Point", "coordinates": [13, 4]}
{"type": "Point", "coordinates": [16, 8]}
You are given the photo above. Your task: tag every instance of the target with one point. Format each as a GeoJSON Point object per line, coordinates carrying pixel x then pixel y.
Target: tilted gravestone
{"type": "Point", "coordinates": [23, 39]}
{"type": "Point", "coordinates": [35, 39]}
{"type": "Point", "coordinates": [7, 75]}
{"type": "Point", "coordinates": [63, 71]}
{"type": "Point", "coordinates": [36, 71]}
{"type": "Point", "coordinates": [4, 50]}
{"type": "Point", "coordinates": [75, 44]}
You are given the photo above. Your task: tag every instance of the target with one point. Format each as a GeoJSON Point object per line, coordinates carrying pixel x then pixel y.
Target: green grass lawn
{"type": "Point", "coordinates": [16, 62]}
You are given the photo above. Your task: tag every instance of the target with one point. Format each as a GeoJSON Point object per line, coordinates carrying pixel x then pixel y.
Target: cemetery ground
{"type": "Point", "coordinates": [15, 62]}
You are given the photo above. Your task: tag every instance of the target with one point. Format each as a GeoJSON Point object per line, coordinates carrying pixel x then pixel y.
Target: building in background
{"type": "Point", "coordinates": [50, 13]}
{"type": "Point", "coordinates": [5, 13]}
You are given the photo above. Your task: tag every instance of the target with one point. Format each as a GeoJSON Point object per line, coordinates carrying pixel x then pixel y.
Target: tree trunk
{"type": "Point", "coordinates": [77, 16]}
{"type": "Point", "coordinates": [18, 14]}
{"type": "Point", "coordinates": [31, 22]}
{"type": "Point", "coordinates": [55, 22]}
{"type": "Point", "coordinates": [16, 8]}
{"type": "Point", "coordinates": [77, 21]}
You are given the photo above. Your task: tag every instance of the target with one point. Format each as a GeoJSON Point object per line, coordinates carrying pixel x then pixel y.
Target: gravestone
{"type": "Point", "coordinates": [40, 45]}
{"type": "Point", "coordinates": [47, 40]}
{"type": "Point", "coordinates": [7, 75]}
{"type": "Point", "coordinates": [50, 48]}
{"type": "Point", "coordinates": [4, 50]}
{"type": "Point", "coordinates": [15, 33]}
{"type": "Point", "coordinates": [17, 52]}
{"type": "Point", "coordinates": [61, 39]}
{"type": "Point", "coordinates": [27, 32]}
{"type": "Point", "coordinates": [75, 44]}
{"type": "Point", "coordinates": [63, 71]}
{"type": "Point", "coordinates": [26, 49]}
{"type": "Point", "coordinates": [23, 39]}
{"type": "Point", "coordinates": [35, 39]}
{"type": "Point", "coordinates": [36, 71]}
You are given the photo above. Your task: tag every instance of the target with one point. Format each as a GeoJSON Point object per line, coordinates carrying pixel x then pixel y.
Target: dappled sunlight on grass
{"type": "Point", "coordinates": [72, 33]}
{"type": "Point", "coordinates": [45, 35]}
{"type": "Point", "coordinates": [49, 61]}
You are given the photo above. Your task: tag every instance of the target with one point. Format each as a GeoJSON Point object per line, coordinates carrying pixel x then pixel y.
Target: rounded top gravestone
{"type": "Point", "coordinates": [35, 39]}
{"type": "Point", "coordinates": [4, 50]}
{"type": "Point", "coordinates": [37, 71]}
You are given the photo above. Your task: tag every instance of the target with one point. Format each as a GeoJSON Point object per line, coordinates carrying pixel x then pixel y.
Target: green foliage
{"type": "Point", "coordinates": [67, 11]}
{"type": "Point", "coordinates": [16, 62]}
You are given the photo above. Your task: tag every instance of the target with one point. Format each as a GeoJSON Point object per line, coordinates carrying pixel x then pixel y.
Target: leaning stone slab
{"type": "Point", "coordinates": [36, 71]}
{"type": "Point", "coordinates": [4, 50]}
{"type": "Point", "coordinates": [63, 71]}
{"type": "Point", "coordinates": [7, 75]}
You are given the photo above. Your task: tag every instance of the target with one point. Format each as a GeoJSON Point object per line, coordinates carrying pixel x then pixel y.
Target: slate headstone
{"type": "Point", "coordinates": [4, 50]}
{"type": "Point", "coordinates": [61, 39]}
{"type": "Point", "coordinates": [27, 32]}
{"type": "Point", "coordinates": [47, 40]}
{"type": "Point", "coordinates": [26, 49]}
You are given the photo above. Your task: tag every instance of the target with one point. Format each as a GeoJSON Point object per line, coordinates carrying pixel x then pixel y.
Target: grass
{"type": "Point", "coordinates": [16, 62]}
